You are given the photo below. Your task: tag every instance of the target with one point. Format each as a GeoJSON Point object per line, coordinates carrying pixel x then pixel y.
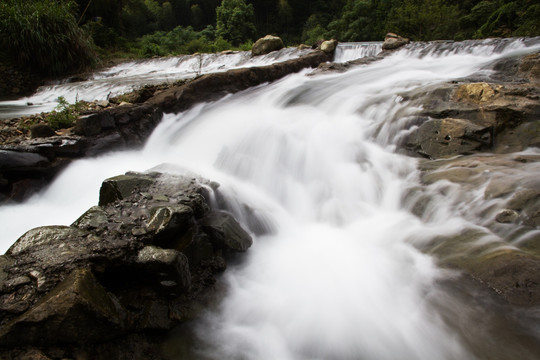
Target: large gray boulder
{"type": "Point", "coordinates": [266, 45]}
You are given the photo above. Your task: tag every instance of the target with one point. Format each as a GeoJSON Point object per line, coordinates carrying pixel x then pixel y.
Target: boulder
{"type": "Point", "coordinates": [137, 264]}
{"type": "Point", "coordinates": [78, 311]}
{"type": "Point", "coordinates": [329, 46]}
{"type": "Point", "coordinates": [393, 41]}
{"type": "Point", "coordinates": [41, 130]}
{"type": "Point", "coordinates": [266, 45]}
{"type": "Point", "coordinates": [438, 138]}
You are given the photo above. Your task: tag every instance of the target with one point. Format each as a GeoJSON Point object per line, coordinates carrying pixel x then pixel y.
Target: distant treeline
{"type": "Point", "coordinates": [56, 36]}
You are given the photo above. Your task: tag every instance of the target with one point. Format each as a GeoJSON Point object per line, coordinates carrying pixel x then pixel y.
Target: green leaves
{"type": "Point", "coordinates": [64, 115]}
{"type": "Point", "coordinates": [235, 21]}
{"type": "Point", "coordinates": [44, 36]}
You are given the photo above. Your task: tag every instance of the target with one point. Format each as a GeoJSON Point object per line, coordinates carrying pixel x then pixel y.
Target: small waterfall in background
{"type": "Point", "coordinates": [338, 273]}
{"type": "Point", "coordinates": [348, 51]}
{"type": "Point", "coordinates": [129, 76]}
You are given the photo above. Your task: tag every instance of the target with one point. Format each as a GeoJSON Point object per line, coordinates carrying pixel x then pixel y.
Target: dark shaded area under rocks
{"type": "Point", "coordinates": [27, 165]}
{"type": "Point", "coordinates": [111, 285]}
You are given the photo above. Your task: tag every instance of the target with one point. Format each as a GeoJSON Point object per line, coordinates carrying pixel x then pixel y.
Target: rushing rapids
{"type": "Point", "coordinates": [309, 163]}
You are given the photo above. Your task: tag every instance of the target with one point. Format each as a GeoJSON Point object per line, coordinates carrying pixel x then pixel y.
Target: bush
{"type": "Point", "coordinates": [64, 115]}
{"type": "Point", "coordinates": [43, 35]}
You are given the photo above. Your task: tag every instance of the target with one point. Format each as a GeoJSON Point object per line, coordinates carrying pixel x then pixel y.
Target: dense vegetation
{"type": "Point", "coordinates": [57, 36]}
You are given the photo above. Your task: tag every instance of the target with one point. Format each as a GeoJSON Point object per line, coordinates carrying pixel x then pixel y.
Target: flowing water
{"type": "Point", "coordinates": [335, 271]}
{"type": "Point", "coordinates": [129, 76]}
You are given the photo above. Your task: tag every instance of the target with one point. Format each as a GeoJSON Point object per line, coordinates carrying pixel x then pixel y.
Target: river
{"type": "Point", "coordinates": [335, 271]}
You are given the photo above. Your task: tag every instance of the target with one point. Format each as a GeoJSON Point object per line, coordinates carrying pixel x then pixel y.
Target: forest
{"type": "Point", "coordinates": [56, 37]}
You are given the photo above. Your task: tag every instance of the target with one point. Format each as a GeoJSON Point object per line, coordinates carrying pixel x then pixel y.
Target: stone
{"type": "Point", "coordinates": [266, 45]}
{"type": "Point", "coordinates": [507, 216]}
{"type": "Point", "coordinates": [121, 187]}
{"type": "Point", "coordinates": [16, 159]}
{"type": "Point", "coordinates": [226, 232]}
{"type": "Point", "coordinates": [41, 131]}
{"type": "Point", "coordinates": [440, 138]}
{"type": "Point", "coordinates": [78, 311]}
{"type": "Point", "coordinates": [329, 46]}
{"type": "Point", "coordinates": [393, 41]}
{"type": "Point", "coordinates": [166, 262]}
{"type": "Point", "coordinates": [93, 218]}
{"type": "Point", "coordinates": [475, 92]}
{"type": "Point", "coordinates": [169, 223]}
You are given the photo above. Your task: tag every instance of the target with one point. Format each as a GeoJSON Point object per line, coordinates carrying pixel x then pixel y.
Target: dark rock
{"type": "Point", "coordinates": [77, 311]}
{"type": "Point", "coordinates": [166, 262]}
{"type": "Point", "coordinates": [17, 160]}
{"type": "Point", "coordinates": [226, 231]}
{"type": "Point", "coordinates": [41, 130]}
{"type": "Point", "coordinates": [121, 187]}
{"type": "Point", "coordinates": [266, 45]}
{"type": "Point", "coordinates": [142, 262]}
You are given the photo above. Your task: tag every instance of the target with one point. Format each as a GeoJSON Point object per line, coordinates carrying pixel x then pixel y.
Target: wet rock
{"type": "Point", "coordinates": [226, 231]}
{"type": "Point", "coordinates": [438, 138]}
{"type": "Point", "coordinates": [169, 223]}
{"type": "Point", "coordinates": [507, 216]}
{"type": "Point", "coordinates": [77, 311]}
{"type": "Point", "coordinates": [393, 41]}
{"type": "Point", "coordinates": [266, 45]}
{"type": "Point", "coordinates": [41, 130]}
{"type": "Point", "coordinates": [166, 262]}
{"type": "Point", "coordinates": [121, 187]}
{"type": "Point", "coordinates": [128, 266]}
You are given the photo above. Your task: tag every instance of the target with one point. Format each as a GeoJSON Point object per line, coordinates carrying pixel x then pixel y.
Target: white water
{"type": "Point", "coordinates": [352, 51]}
{"type": "Point", "coordinates": [338, 276]}
{"type": "Point", "coordinates": [126, 77]}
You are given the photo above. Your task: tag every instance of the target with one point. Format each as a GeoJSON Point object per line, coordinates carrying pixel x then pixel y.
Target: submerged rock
{"type": "Point", "coordinates": [137, 263]}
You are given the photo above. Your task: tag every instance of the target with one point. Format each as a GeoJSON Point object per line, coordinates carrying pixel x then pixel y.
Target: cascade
{"type": "Point", "coordinates": [129, 76]}
{"type": "Point", "coordinates": [348, 51]}
{"type": "Point", "coordinates": [337, 270]}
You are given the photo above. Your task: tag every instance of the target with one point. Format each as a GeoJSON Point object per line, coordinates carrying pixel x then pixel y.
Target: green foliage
{"type": "Point", "coordinates": [235, 21]}
{"type": "Point", "coordinates": [44, 36]}
{"type": "Point", "coordinates": [64, 115]}
{"type": "Point", "coordinates": [424, 19]}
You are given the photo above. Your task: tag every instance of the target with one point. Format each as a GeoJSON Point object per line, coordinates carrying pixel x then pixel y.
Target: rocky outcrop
{"type": "Point", "coordinates": [141, 263]}
{"type": "Point", "coordinates": [393, 41]}
{"type": "Point", "coordinates": [499, 115]}
{"type": "Point", "coordinates": [128, 125]}
{"type": "Point", "coordinates": [266, 45]}
{"type": "Point", "coordinates": [473, 134]}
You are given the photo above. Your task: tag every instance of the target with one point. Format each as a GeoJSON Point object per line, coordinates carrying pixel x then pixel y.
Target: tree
{"type": "Point", "coordinates": [235, 21]}
{"type": "Point", "coordinates": [424, 19]}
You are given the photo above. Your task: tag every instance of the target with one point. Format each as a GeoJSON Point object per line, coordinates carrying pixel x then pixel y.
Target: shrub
{"type": "Point", "coordinates": [43, 35]}
{"type": "Point", "coordinates": [64, 115]}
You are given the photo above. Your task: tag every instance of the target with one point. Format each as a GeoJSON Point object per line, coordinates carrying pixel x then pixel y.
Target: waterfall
{"type": "Point", "coordinates": [355, 50]}
{"type": "Point", "coordinates": [335, 272]}
{"type": "Point", "coordinates": [129, 76]}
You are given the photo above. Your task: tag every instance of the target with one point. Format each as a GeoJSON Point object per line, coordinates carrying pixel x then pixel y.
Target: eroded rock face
{"type": "Point", "coordinates": [502, 116]}
{"type": "Point", "coordinates": [140, 261]}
